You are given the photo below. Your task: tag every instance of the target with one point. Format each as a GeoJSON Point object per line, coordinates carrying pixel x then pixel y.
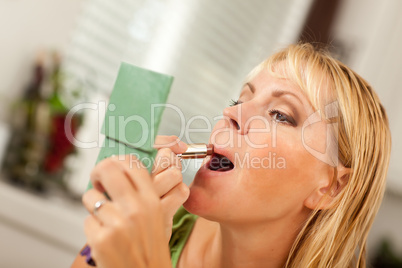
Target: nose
{"type": "Point", "coordinates": [237, 117]}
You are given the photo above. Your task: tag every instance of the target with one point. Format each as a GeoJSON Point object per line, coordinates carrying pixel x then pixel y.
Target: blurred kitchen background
{"type": "Point", "coordinates": [59, 54]}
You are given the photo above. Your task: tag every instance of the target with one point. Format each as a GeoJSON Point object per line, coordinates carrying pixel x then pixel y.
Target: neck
{"type": "Point", "coordinates": [257, 245]}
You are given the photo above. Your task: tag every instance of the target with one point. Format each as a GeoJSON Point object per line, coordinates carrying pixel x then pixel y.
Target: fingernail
{"type": "Point", "coordinates": [182, 144]}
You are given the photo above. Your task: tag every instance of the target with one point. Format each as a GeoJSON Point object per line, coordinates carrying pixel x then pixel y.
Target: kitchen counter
{"type": "Point", "coordinates": [38, 231]}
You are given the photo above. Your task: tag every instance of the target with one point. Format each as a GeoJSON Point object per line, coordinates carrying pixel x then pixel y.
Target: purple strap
{"type": "Point", "coordinates": [87, 253]}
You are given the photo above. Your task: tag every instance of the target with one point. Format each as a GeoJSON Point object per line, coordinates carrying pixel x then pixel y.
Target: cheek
{"type": "Point", "coordinates": [321, 143]}
{"type": "Point", "coordinates": [302, 167]}
{"type": "Point", "coordinates": [282, 177]}
{"type": "Point", "coordinates": [314, 137]}
{"type": "Point", "coordinates": [260, 133]}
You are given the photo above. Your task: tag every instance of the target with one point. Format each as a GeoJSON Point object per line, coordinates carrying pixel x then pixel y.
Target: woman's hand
{"type": "Point", "coordinates": [168, 179]}
{"type": "Point", "coordinates": [131, 229]}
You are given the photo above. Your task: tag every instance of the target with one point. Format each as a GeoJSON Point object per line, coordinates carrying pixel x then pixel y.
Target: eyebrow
{"type": "Point", "coordinates": [276, 93]}
{"type": "Point", "coordinates": [252, 88]}
{"type": "Point", "coordinates": [279, 92]}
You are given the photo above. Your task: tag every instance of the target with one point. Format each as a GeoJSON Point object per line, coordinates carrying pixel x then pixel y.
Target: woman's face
{"type": "Point", "coordinates": [272, 174]}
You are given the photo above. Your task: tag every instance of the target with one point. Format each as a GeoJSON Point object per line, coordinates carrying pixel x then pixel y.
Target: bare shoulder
{"type": "Point", "coordinates": [200, 239]}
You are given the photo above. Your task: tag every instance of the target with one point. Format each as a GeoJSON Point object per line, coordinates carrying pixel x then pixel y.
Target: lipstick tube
{"type": "Point", "coordinates": [197, 150]}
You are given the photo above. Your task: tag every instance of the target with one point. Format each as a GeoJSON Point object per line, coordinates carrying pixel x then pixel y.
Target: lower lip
{"type": "Point", "coordinates": [204, 171]}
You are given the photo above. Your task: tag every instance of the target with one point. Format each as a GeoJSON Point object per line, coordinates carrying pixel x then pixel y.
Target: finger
{"type": "Point", "coordinates": [175, 198]}
{"type": "Point", "coordinates": [107, 213]}
{"type": "Point", "coordinates": [137, 173]}
{"type": "Point", "coordinates": [172, 142]}
{"type": "Point", "coordinates": [110, 176]}
{"type": "Point", "coordinates": [94, 233]}
{"type": "Point", "coordinates": [167, 180]}
{"type": "Point", "coordinates": [92, 228]}
{"type": "Point", "coordinates": [90, 197]}
{"type": "Point", "coordinates": [165, 159]}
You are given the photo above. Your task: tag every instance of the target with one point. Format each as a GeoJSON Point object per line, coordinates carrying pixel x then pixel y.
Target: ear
{"type": "Point", "coordinates": [324, 195]}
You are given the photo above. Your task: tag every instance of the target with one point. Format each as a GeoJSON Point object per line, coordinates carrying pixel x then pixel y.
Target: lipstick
{"type": "Point", "coordinates": [197, 150]}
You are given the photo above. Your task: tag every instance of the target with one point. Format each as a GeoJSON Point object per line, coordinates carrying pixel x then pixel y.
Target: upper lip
{"type": "Point", "coordinates": [224, 152]}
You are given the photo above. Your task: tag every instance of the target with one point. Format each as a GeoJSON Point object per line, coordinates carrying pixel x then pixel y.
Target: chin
{"type": "Point", "coordinates": [201, 203]}
{"type": "Point", "coordinates": [212, 189]}
{"type": "Point", "coordinates": [197, 201]}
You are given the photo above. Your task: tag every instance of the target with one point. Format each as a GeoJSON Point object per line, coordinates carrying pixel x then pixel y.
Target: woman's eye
{"type": "Point", "coordinates": [234, 102]}
{"type": "Point", "coordinates": [281, 117]}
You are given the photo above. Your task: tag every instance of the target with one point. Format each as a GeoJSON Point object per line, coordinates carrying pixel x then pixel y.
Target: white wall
{"type": "Point", "coordinates": [25, 27]}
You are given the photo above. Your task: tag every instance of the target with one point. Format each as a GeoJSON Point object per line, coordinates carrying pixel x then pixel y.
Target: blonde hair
{"type": "Point", "coordinates": [336, 237]}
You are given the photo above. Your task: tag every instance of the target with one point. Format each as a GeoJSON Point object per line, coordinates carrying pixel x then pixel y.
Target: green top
{"type": "Point", "coordinates": [183, 223]}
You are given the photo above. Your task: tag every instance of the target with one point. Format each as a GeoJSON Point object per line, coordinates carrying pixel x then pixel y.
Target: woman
{"type": "Point", "coordinates": [296, 180]}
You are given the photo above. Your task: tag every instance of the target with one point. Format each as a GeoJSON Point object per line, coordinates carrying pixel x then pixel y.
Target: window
{"type": "Point", "coordinates": [208, 46]}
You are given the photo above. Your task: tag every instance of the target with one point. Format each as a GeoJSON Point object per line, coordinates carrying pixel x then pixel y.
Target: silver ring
{"type": "Point", "coordinates": [98, 205]}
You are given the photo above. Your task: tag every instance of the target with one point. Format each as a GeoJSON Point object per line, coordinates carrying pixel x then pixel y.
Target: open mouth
{"type": "Point", "coordinates": [220, 163]}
